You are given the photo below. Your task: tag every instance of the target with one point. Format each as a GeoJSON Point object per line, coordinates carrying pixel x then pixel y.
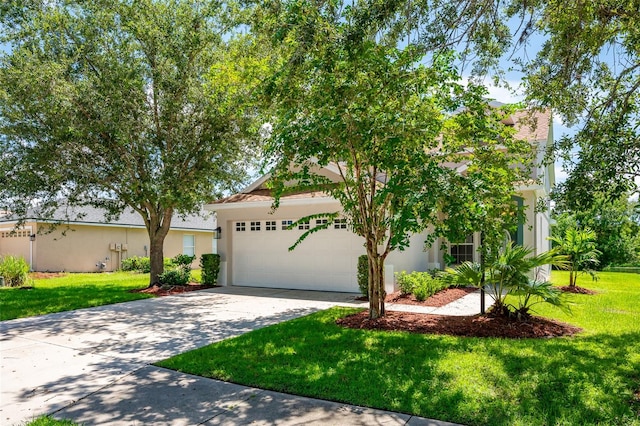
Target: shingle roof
{"type": "Point", "coordinates": [92, 215]}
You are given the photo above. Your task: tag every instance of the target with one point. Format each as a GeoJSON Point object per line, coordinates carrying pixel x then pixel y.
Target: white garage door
{"type": "Point", "coordinates": [326, 260]}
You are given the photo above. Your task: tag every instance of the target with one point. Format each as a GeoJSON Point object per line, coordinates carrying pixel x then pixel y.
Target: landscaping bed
{"type": "Point", "coordinates": [467, 326]}
{"type": "Point", "coordinates": [163, 290]}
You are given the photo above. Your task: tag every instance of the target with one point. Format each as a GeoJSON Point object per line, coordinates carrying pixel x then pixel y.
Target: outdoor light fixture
{"type": "Point", "coordinates": [32, 237]}
{"type": "Point", "coordinates": [218, 232]}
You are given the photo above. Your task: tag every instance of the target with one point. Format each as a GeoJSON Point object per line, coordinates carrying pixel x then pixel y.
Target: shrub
{"type": "Point", "coordinates": [182, 260]}
{"type": "Point", "coordinates": [421, 284]}
{"type": "Point", "coordinates": [14, 270]}
{"type": "Point", "coordinates": [176, 276]}
{"type": "Point", "coordinates": [363, 274]}
{"type": "Point", "coordinates": [210, 266]}
{"type": "Point", "coordinates": [137, 263]}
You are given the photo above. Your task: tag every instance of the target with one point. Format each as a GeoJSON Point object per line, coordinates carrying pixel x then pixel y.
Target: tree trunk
{"type": "Point", "coordinates": [377, 292]}
{"type": "Point", "coordinates": [572, 278]}
{"type": "Point", "coordinates": [158, 229]}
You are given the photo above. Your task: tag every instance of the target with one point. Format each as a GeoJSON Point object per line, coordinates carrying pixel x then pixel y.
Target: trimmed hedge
{"type": "Point", "coordinates": [210, 266]}
{"type": "Point", "coordinates": [630, 269]}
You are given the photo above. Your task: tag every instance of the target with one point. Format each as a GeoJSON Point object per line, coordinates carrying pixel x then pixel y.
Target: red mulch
{"type": "Point", "coordinates": [157, 290]}
{"type": "Point", "coordinates": [441, 298]}
{"type": "Point", "coordinates": [469, 326]}
{"type": "Point", "coordinates": [577, 290]}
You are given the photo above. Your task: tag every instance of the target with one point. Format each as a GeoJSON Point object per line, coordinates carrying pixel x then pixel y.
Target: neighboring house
{"type": "Point", "coordinates": [254, 240]}
{"type": "Point", "coordinates": [90, 244]}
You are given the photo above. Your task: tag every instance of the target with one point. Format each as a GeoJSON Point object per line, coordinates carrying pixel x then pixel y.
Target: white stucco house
{"type": "Point", "coordinates": [254, 241]}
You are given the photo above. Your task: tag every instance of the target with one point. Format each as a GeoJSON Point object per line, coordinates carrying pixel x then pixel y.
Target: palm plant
{"type": "Point", "coordinates": [580, 248]}
{"type": "Point", "coordinates": [516, 272]}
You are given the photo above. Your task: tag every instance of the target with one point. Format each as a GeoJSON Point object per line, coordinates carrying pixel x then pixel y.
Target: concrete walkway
{"type": "Point", "coordinates": [93, 365]}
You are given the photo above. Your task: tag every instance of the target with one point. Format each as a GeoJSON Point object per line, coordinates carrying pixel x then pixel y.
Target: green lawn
{"type": "Point", "coordinates": [72, 291]}
{"type": "Point", "coordinates": [590, 378]}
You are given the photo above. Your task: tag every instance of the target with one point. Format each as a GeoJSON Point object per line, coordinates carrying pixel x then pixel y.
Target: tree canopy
{"type": "Point", "coordinates": [121, 104]}
{"type": "Point", "coordinates": [348, 96]}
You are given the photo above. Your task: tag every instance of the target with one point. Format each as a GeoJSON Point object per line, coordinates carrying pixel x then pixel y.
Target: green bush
{"type": "Point", "coordinates": [143, 264]}
{"type": "Point", "coordinates": [363, 274]}
{"type": "Point", "coordinates": [176, 276]}
{"type": "Point", "coordinates": [14, 270]}
{"type": "Point", "coordinates": [421, 284]}
{"type": "Point", "coordinates": [182, 260]}
{"type": "Point", "coordinates": [210, 266]}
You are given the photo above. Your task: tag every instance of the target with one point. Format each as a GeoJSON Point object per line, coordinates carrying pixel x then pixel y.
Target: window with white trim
{"type": "Point", "coordinates": [321, 222]}
{"type": "Point", "coordinates": [189, 245]}
{"type": "Point", "coordinates": [270, 225]}
{"type": "Point", "coordinates": [303, 225]}
{"type": "Point", "coordinates": [286, 224]}
{"type": "Point", "coordinates": [340, 224]}
{"type": "Point", "coordinates": [255, 226]}
{"type": "Point", "coordinates": [241, 226]}
{"type": "Point", "coordinates": [462, 252]}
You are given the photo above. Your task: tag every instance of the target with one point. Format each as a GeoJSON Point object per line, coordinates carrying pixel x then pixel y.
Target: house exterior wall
{"type": "Point", "coordinates": [303, 261]}
{"type": "Point", "coordinates": [17, 243]}
{"type": "Point", "coordinates": [86, 248]}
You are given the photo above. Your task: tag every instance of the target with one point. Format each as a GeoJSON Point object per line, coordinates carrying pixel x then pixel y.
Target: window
{"type": "Point", "coordinates": [270, 225]}
{"type": "Point", "coordinates": [321, 222]}
{"type": "Point", "coordinates": [303, 225]}
{"type": "Point", "coordinates": [340, 224]}
{"type": "Point", "coordinates": [189, 245]}
{"type": "Point", "coordinates": [241, 226]}
{"type": "Point", "coordinates": [255, 226]}
{"type": "Point", "coordinates": [462, 252]}
{"type": "Point", "coordinates": [286, 224]}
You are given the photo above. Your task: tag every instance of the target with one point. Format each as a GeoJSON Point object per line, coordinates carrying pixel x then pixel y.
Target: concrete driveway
{"type": "Point", "coordinates": [92, 365]}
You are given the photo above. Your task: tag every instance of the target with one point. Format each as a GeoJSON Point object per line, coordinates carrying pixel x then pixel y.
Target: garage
{"type": "Point", "coordinates": [326, 260]}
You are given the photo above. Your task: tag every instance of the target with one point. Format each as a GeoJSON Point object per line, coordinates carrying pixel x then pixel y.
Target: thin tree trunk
{"type": "Point", "coordinates": [377, 292]}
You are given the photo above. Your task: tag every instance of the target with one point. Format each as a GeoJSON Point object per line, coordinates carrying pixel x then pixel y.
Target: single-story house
{"type": "Point", "coordinates": [254, 240]}
{"type": "Point", "coordinates": [91, 244]}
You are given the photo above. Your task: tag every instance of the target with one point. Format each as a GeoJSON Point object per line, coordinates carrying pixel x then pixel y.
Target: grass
{"type": "Point", "coordinates": [69, 292]}
{"type": "Point", "coordinates": [587, 379]}
{"type": "Point", "coordinates": [49, 421]}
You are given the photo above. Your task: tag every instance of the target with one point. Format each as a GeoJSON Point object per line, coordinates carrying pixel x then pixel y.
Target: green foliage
{"type": "Point", "coordinates": [363, 274]}
{"type": "Point", "coordinates": [580, 248]}
{"type": "Point", "coordinates": [353, 98]}
{"type": "Point", "coordinates": [210, 267]}
{"type": "Point", "coordinates": [421, 284]}
{"type": "Point", "coordinates": [50, 421]}
{"type": "Point", "coordinates": [588, 379]}
{"type": "Point", "coordinates": [182, 260]}
{"type": "Point", "coordinates": [71, 291]}
{"type": "Point", "coordinates": [616, 224]}
{"type": "Point", "coordinates": [14, 270]}
{"type": "Point", "coordinates": [137, 263]}
{"type": "Point", "coordinates": [513, 272]}
{"type": "Point", "coordinates": [175, 277]}
{"type": "Point", "coordinates": [157, 122]}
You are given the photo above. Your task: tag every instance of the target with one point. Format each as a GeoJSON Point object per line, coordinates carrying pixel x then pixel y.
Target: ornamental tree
{"type": "Point", "coordinates": [396, 131]}
{"type": "Point", "coordinates": [109, 103]}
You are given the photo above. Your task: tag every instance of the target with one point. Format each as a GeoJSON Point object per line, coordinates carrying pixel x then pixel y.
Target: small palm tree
{"type": "Point", "coordinates": [515, 271]}
{"type": "Point", "coordinates": [580, 248]}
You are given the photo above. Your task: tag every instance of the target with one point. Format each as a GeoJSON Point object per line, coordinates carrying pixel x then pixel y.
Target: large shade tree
{"type": "Point", "coordinates": [120, 104]}
{"type": "Point", "coordinates": [581, 58]}
{"type": "Point", "coordinates": [397, 132]}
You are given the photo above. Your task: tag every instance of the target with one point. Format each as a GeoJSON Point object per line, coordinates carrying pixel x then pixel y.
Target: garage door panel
{"type": "Point", "coordinates": [326, 260]}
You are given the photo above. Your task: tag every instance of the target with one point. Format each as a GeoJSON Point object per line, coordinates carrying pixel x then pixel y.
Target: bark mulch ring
{"type": "Point", "coordinates": [577, 290]}
{"type": "Point", "coordinates": [158, 290]}
{"type": "Point", "coordinates": [468, 326]}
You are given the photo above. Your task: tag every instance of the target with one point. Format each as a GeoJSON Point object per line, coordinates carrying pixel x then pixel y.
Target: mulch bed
{"type": "Point", "coordinates": [468, 326]}
{"type": "Point", "coordinates": [441, 298]}
{"type": "Point", "coordinates": [577, 290]}
{"type": "Point", "coordinates": [158, 290]}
